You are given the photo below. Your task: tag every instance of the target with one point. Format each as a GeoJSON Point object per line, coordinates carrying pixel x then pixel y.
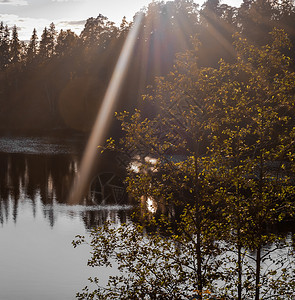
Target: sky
{"type": "Point", "coordinates": [69, 14]}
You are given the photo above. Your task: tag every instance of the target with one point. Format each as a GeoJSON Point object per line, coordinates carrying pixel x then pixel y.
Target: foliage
{"type": "Point", "coordinates": [34, 75]}
{"type": "Point", "coordinates": [150, 266]}
{"type": "Point", "coordinates": [210, 154]}
{"type": "Point", "coordinates": [215, 164]}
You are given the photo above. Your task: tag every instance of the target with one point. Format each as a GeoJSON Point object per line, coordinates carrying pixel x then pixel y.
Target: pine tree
{"type": "Point", "coordinates": [51, 39]}
{"type": "Point", "coordinates": [15, 46]}
{"type": "Point", "coordinates": [32, 49]}
{"type": "Point", "coordinates": [4, 46]}
{"type": "Point", "coordinates": [44, 52]}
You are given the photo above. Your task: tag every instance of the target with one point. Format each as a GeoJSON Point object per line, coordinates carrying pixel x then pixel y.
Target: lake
{"type": "Point", "coordinates": [37, 226]}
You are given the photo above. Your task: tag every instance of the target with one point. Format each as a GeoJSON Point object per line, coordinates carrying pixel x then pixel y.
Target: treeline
{"type": "Point", "coordinates": [58, 81]}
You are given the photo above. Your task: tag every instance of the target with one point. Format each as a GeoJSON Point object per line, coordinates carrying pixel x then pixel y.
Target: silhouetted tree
{"type": "Point", "coordinates": [32, 49]}
{"type": "Point", "coordinates": [4, 46]}
{"type": "Point", "coordinates": [167, 28]}
{"type": "Point", "coordinates": [51, 39]}
{"type": "Point", "coordinates": [15, 46]}
{"type": "Point", "coordinates": [66, 43]}
{"type": "Point", "coordinates": [44, 51]}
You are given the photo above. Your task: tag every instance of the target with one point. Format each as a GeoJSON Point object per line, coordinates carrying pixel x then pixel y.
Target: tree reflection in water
{"type": "Point", "coordinates": [45, 180]}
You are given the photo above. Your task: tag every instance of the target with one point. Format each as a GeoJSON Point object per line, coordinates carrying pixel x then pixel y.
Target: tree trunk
{"type": "Point", "coordinates": [239, 267]}
{"type": "Point", "coordinates": [199, 220]}
{"type": "Point", "coordinates": [257, 275]}
{"type": "Point", "coordinates": [199, 267]}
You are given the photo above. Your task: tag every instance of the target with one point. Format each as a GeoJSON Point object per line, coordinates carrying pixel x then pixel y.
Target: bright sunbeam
{"type": "Point", "coordinates": [104, 116]}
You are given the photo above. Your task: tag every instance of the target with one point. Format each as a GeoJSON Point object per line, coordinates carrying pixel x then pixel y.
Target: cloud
{"type": "Point", "coordinates": [25, 26]}
{"type": "Point", "coordinates": [14, 2]}
{"type": "Point", "coordinates": [72, 23]}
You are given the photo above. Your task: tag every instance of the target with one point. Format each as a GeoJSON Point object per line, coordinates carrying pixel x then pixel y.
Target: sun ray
{"type": "Point", "coordinates": [104, 117]}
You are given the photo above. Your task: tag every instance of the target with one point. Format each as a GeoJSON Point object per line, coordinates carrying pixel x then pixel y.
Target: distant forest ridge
{"type": "Point", "coordinates": [57, 81]}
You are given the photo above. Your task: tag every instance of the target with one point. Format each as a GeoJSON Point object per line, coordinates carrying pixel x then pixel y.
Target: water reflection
{"type": "Point", "coordinates": [45, 180]}
{"type": "Point", "coordinates": [37, 226]}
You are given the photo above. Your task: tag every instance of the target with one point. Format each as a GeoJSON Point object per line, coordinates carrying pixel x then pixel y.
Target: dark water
{"type": "Point", "coordinates": [37, 260]}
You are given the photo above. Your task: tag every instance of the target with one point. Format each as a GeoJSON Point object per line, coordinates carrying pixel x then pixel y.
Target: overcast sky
{"type": "Point", "coordinates": [68, 14]}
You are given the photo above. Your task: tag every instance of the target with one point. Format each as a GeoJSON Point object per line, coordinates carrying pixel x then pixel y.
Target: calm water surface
{"type": "Point", "coordinates": [37, 260]}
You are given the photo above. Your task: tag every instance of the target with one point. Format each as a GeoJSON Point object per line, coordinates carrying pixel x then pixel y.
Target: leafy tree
{"type": "Point", "coordinates": [182, 187]}
{"type": "Point", "coordinates": [158, 268]}
{"type": "Point", "coordinates": [205, 162]}
{"type": "Point", "coordinates": [255, 185]}
{"type": "Point", "coordinates": [218, 25]}
{"type": "Point", "coordinates": [256, 18]}
{"type": "Point", "coordinates": [124, 26]}
{"type": "Point", "coordinates": [98, 32]}
{"type": "Point", "coordinates": [66, 43]}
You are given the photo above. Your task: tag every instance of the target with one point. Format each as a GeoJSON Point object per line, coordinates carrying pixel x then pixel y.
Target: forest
{"type": "Point", "coordinates": [57, 80]}
{"type": "Point", "coordinates": [206, 115]}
